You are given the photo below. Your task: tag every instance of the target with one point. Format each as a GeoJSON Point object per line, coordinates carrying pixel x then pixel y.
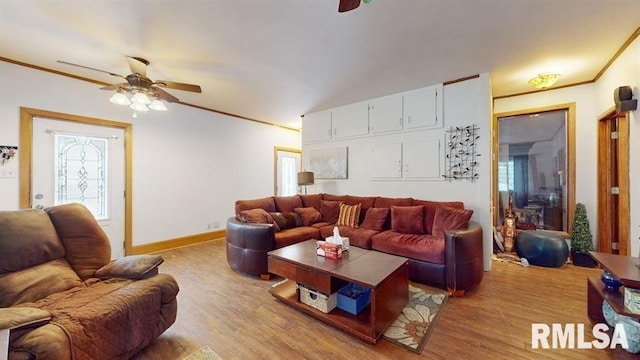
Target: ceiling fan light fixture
{"type": "Point", "coordinates": [141, 98]}
{"type": "Point", "coordinates": [120, 99]}
{"type": "Point", "coordinates": [157, 105]}
{"type": "Point", "coordinates": [544, 80]}
{"type": "Point", "coordinates": [139, 107]}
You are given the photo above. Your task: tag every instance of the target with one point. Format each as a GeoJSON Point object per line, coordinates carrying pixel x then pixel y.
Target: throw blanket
{"type": "Point", "coordinates": [115, 317]}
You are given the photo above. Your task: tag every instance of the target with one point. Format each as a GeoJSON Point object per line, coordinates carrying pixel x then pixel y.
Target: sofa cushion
{"type": "Point", "coordinates": [27, 238]}
{"type": "Point", "coordinates": [287, 203]}
{"type": "Point", "coordinates": [266, 203]}
{"type": "Point", "coordinates": [349, 215]}
{"type": "Point", "coordinates": [295, 235]}
{"type": "Point", "coordinates": [420, 247]}
{"type": "Point", "coordinates": [430, 210]}
{"type": "Point", "coordinates": [330, 211]}
{"type": "Point", "coordinates": [286, 220]}
{"type": "Point", "coordinates": [448, 218]}
{"type": "Point", "coordinates": [309, 215]}
{"type": "Point", "coordinates": [37, 282]}
{"type": "Point", "coordinates": [375, 219]}
{"type": "Point", "coordinates": [312, 200]}
{"type": "Point", "coordinates": [385, 202]}
{"type": "Point", "coordinates": [86, 245]}
{"type": "Point", "coordinates": [361, 237]}
{"type": "Point", "coordinates": [407, 219]}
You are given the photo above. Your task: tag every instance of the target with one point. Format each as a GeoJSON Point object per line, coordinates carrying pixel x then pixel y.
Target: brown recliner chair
{"type": "Point", "coordinates": [62, 297]}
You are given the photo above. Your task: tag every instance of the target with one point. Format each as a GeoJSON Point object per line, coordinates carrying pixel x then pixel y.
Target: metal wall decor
{"type": "Point", "coordinates": [460, 155]}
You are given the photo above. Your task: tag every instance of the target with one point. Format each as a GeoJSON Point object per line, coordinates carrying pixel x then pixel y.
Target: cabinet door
{"type": "Point", "coordinates": [423, 108]}
{"type": "Point", "coordinates": [350, 120]}
{"type": "Point", "coordinates": [316, 126]}
{"type": "Point", "coordinates": [421, 159]}
{"type": "Point", "coordinates": [385, 115]}
{"type": "Point", "coordinates": [385, 161]}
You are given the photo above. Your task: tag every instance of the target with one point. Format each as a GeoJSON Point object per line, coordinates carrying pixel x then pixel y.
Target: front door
{"type": "Point", "coordinates": [74, 162]}
{"type": "Point", "coordinates": [287, 166]}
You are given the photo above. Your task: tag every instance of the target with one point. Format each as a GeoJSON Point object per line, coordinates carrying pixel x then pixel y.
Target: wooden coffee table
{"type": "Point", "coordinates": [386, 275]}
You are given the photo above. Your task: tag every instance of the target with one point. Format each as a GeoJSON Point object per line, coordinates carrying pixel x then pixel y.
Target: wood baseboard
{"type": "Point", "coordinates": [177, 242]}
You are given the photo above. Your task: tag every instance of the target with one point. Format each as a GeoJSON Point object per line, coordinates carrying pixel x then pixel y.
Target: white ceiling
{"type": "Point", "coordinates": [273, 60]}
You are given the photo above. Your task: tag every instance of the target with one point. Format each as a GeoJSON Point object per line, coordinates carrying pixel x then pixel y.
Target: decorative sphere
{"type": "Point", "coordinates": [611, 282]}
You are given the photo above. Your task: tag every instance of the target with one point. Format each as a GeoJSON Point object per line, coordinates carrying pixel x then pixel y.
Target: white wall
{"type": "Point", "coordinates": [592, 100]}
{"type": "Point", "coordinates": [189, 165]}
{"type": "Point", "coordinates": [465, 103]}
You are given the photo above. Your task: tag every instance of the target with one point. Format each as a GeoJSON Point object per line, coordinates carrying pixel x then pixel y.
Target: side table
{"type": "Point", "coordinates": [624, 268]}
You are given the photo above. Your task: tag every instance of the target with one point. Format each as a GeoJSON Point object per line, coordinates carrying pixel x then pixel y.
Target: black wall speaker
{"type": "Point", "coordinates": [623, 93]}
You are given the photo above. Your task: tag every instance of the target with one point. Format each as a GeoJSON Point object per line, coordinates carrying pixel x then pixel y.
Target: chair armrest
{"type": "Point", "coordinates": [464, 257]}
{"type": "Point", "coordinates": [134, 267]}
{"type": "Point", "coordinates": [20, 317]}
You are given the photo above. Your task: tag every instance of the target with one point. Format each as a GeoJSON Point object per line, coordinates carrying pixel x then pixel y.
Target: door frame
{"type": "Point", "coordinates": [570, 108]}
{"type": "Point", "coordinates": [26, 153]}
{"type": "Point", "coordinates": [605, 202]}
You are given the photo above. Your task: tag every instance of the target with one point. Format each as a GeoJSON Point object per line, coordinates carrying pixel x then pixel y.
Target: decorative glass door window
{"type": "Point", "coordinates": [81, 172]}
{"type": "Point", "coordinates": [289, 176]}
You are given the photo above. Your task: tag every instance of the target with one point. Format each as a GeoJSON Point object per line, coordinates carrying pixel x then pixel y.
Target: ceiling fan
{"type": "Point", "coordinates": [348, 5]}
{"type": "Point", "coordinates": [145, 92]}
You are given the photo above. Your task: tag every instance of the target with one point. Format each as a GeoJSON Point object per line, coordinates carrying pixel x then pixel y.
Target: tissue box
{"type": "Point", "coordinates": [329, 250]}
{"type": "Point", "coordinates": [632, 300]}
{"type": "Point", "coordinates": [353, 298]}
{"type": "Point", "coordinates": [317, 300]}
{"type": "Point", "coordinates": [344, 241]}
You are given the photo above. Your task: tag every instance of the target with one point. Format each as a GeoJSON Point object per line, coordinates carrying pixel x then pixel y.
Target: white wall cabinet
{"type": "Point", "coordinates": [417, 159]}
{"type": "Point", "coordinates": [385, 161]}
{"type": "Point", "coordinates": [423, 108]}
{"type": "Point", "coordinates": [421, 159]}
{"type": "Point", "coordinates": [316, 127]}
{"type": "Point", "coordinates": [385, 114]}
{"type": "Point", "coordinates": [350, 120]}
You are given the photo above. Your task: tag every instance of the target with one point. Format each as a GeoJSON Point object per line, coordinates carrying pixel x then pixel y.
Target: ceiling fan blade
{"type": "Point", "coordinates": [115, 86]}
{"type": "Point", "coordinates": [90, 68]}
{"type": "Point", "coordinates": [138, 65]}
{"type": "Point", "coordinates": [179, 86]}
{"type": "Point", "coordinates": [164, 95]}
{"type": "Point", "coordinates": [348, 5]}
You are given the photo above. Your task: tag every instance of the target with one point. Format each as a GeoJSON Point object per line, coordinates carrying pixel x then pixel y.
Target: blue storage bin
{"type": "Point", "coordinates": [353, 298]}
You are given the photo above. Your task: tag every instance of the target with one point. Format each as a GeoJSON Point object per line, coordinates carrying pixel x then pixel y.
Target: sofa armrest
{"type": "Point", "coordinates": [248, 245]}
{"type": "Point", "coordinates": [464, 258]}
{"type": "Point", "coordinates": [21, 317]}
{"type": "Point", "coordinates": [134, 267]}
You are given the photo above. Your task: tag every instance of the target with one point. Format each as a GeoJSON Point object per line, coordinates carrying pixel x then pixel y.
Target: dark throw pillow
{"type": "Point", "coordinates": [309, 215]}
{"type": "Point", "coordinates": [448, 218]}
{"type": "Point", "coordinates": [286, 220]}
{"type": "Point", "coordinates": [407, 219]}
{"type": "Point", "coordinates": [330, 210]}
{"type": "Point", "coordinates": [375, 218]}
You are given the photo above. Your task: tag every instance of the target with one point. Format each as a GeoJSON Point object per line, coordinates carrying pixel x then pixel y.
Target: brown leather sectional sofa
{"type": "Point", "coordinates": [62, 298]}
{"type": "Point", "coordinates": [443, 246]}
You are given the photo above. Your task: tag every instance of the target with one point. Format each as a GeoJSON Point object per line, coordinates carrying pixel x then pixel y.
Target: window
{"type": "Point", "coordinates": [81, 172]}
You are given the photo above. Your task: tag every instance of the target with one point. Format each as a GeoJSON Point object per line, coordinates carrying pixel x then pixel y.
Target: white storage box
{"type": "Point", "coordinates": [318, 300]}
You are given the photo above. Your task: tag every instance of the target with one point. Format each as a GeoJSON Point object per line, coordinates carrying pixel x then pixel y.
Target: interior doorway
{"type": "Point", "coordinates": [287, 163]}
{"type": "Point", "coordinates": [613, 184]}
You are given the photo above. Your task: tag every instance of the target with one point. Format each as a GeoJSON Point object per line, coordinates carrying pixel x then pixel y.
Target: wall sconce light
{"type": "Point", "coordinates": [544, 80]}
{"type": "Point", "coordinates": [305, 178]}
{"type": "Point", "coordinates": [7, 153]}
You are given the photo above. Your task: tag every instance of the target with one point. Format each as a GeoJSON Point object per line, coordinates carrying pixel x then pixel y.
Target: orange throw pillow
{"type": "Point", "coordinates": [349, 215]}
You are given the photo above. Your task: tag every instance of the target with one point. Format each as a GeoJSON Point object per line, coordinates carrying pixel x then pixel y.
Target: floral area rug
{"type": "Point", "coordinates": [413, 326]}
{"type": "Point", "coordinates": [205, 353]}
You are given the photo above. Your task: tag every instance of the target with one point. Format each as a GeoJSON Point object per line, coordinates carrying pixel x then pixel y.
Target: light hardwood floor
{"type": "Point", "coordinates": [236, 316]}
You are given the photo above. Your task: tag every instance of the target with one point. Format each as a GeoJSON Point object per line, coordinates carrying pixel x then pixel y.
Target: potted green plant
{"type": "Point", "coordinates": [581, 238]}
